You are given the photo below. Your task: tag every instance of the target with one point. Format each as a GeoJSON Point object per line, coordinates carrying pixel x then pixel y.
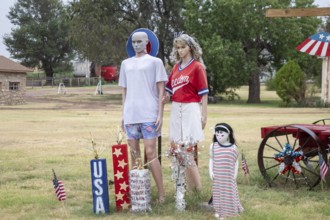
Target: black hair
{"type": "Point", "coordinates": [224, 127]}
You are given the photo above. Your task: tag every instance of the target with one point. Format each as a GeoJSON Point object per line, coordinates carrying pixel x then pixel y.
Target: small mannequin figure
{"type": "Point", "coordinates": [223, 168]}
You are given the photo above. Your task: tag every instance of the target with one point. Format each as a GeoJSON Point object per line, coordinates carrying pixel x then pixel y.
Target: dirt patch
{"type": "Point", "coordinates": [73, 98]}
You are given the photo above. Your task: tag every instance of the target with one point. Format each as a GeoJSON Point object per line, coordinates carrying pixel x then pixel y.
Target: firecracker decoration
{"type": "Point", "coordinates": [182, 156]}
{"type": "Point", "coordinates": [99, 176]}
{"type": "Point", "coordinates": [140, 188]}
{"type": "Point", "coordinates": [100, 186]}
{"type": "Point", "coordinates": [121, 176]}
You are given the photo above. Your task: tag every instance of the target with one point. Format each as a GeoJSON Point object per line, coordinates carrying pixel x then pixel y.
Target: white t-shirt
{"type": "Point", "coordinates": [140, 76]}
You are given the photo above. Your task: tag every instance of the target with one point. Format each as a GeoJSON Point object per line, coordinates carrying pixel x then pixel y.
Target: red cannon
{"type": "Point", "coordinates": [293, 154]}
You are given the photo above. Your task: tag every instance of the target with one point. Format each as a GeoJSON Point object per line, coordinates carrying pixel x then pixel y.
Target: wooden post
{"type": "Point", "coordinates": [325, 96]}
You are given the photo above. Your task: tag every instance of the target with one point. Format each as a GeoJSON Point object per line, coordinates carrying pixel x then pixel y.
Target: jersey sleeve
{"type": "Point", "coordinates": [168, 86]}
{"type": "Point", "coordinates": [202, 85]}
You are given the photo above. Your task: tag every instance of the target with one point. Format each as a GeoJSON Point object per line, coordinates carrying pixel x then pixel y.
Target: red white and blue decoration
{"type": "Point", "coordinates": [317, 44]}
{"type": "Point", "coordinates": [324, 168]}
{"type": "Point", "coordinates": [100, 186]}
{"type": "Point", "coordinates": [121, 176]}
{"type": "Point", "coordinates": [140, 189]}
{"type": "Point", "coordinates": [182, 156]}
{"type": "Point", "coordinates": [59, 188]}
{"type": "Point", "coordinates": [152, 46]}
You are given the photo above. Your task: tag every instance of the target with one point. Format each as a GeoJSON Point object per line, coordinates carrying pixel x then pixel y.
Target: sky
{"type": "Point", "coordinates": [5, 25]}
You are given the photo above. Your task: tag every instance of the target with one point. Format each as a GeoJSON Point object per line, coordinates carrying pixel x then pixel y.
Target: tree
{"type": "Point", "coordinates": [40, 34]}
{"type": "Point", "coordinates": [265, 42]}
{"type": "Point", "coordinates": [100, 29]}
{"type": "Point", "coordinates": [290, 83]}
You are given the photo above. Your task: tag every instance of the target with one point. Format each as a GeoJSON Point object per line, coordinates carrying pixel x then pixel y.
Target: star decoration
{"type": "Point", "coordinates": [119, 196]}
{"type": "Point", "coordinates": [123, 186]}
{"type": "Point", "coordinates": [125, 205]}
{"type": "Point", "coordinates": [119, 175]}
{"type": "Point", "coordinates": [122, 163]}
{"type": "Point", "coordinates": [117, 152]}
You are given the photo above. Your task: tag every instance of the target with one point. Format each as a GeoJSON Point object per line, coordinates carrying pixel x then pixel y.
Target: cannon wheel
{"type": "Point", "coordinates": [302, 142]}
{"type": "Point", "coordinates": [324, 121]}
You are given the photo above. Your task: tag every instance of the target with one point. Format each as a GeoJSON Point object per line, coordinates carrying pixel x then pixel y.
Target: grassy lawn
{"type": "Point", "coordinates": [52, 131]}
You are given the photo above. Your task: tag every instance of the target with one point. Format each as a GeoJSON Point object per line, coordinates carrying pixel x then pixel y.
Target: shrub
{"type": "Point", "coordinates": [290, 83]}
{"type": "Point", "coordinates": [270, 85]}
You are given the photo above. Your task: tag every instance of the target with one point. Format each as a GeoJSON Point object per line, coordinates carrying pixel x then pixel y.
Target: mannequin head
{"type": "Point", "coordinates": [139, 42]}
{"type": "Point", "coordinates": [223, 133]}
{"type": "Point", "coordinates": [195, 49]}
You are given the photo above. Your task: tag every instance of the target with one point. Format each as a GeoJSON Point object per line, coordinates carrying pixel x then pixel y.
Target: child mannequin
{"type": "Point", "coordinates": [223, 167]}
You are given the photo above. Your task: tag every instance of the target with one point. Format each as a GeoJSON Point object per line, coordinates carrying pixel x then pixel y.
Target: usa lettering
{"type": "Point", "coordinates": [98, 187]}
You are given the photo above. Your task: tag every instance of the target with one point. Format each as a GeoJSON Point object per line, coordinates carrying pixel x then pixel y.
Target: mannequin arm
{"type": "Point", "coordinates": [236, 169]}
{"type": "Point", "coordinates": [123, 104]}
{"type": "Point", "coordinates": [211, 162]}
{"type": "Point", "coordinates": [204, 110]}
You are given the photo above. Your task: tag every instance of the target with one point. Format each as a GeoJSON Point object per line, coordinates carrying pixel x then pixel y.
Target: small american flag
{"type": "Point", "coordinates": [59, 188]}
{"type": "Point", "coordinates": [244, 165]}
{"type": "Point", "coordinates": [324, 168]}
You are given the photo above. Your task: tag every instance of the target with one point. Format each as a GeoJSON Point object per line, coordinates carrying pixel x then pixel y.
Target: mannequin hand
{"type": "Point", "coordinates": [211, 175]}
{"type": "Point", "coordinates": [122, 125]}
{"type": "Point", "coordinates": [204, 119]}
{"type": "Point", "coordinates": [166, 98]}
{"type": "Point", "coordinates": [159, 123]}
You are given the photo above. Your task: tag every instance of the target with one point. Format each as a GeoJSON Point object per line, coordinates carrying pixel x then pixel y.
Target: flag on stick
{"type": "Point", "coordinates": [244, 165]}
{"type": "Point", "coordinates": [59, 188]}
{"type": "Point", "coordinates": [324, 168]}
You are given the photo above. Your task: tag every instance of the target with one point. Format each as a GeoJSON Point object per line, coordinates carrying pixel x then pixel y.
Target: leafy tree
{"type": "Point", "coordinates": [266, 42]}
{"type": "Point", "coordinates": [290, 83]}
{"type": "Point", "coordinates": [100, 29]}
{"type": "Point", "coordinates": [40, 34]}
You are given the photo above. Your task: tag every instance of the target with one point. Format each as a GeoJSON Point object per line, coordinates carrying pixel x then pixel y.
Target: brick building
{"type": "Point", "coordinates": [12, 82]}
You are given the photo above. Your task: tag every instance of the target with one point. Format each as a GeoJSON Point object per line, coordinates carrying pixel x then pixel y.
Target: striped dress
{"type": "Point", "coordinates": [224, 190]}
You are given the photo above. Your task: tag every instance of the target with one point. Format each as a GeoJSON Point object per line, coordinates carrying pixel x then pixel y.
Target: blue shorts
{"type": "Point", "coordinates": [138, 131]}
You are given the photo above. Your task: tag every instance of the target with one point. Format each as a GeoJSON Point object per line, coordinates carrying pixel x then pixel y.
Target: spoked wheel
{"type": "Point", "coordinates": [289, 156]}
{"type": "Point", "coordinates": [324, 121]}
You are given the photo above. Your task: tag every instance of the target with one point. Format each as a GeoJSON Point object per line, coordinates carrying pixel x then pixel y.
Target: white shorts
{"type": "Point", "coordinates": [186, 123]}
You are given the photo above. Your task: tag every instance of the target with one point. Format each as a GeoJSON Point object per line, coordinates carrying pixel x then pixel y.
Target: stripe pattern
{"type": "Point", "coordinates": [317, 44]}
{"type": "Point", "coordinates": [225, 194]}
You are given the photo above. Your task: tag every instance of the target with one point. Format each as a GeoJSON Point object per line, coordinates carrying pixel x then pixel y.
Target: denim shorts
{"type": "Point", "coordinates": [138, 131]}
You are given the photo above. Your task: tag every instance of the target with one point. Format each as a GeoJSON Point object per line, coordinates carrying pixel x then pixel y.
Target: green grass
{"type": "Point", "coordinates": [39, 137]}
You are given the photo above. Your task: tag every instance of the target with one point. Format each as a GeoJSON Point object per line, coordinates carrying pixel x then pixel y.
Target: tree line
{"type": "Point", "coordinates": [239, 43]}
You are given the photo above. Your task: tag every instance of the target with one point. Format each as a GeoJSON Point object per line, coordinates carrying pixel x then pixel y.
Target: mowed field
{"type": "Point", "coordinates": [53, 131]}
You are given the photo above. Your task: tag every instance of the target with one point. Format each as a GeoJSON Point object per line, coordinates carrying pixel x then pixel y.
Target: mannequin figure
{"type": "Point", "coordinates": [143, 79]}
{"type": "Point", "coordinates": [189, 89]}
{"type": "Point", "coordinates": [223, 168]}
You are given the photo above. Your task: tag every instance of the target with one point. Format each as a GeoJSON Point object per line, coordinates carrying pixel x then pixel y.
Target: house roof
{"type": "Point", "coordinates": [7, 65]}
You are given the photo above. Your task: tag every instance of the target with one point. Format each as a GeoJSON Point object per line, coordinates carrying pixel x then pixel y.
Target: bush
{"type": "Point", "coordinates": [270, 85]}
{"type": "Point", "coordinates": [290, 83]}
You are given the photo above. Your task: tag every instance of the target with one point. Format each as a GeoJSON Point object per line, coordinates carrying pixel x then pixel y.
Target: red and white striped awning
{"type": "Point", "coordinates": [317, 44]}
